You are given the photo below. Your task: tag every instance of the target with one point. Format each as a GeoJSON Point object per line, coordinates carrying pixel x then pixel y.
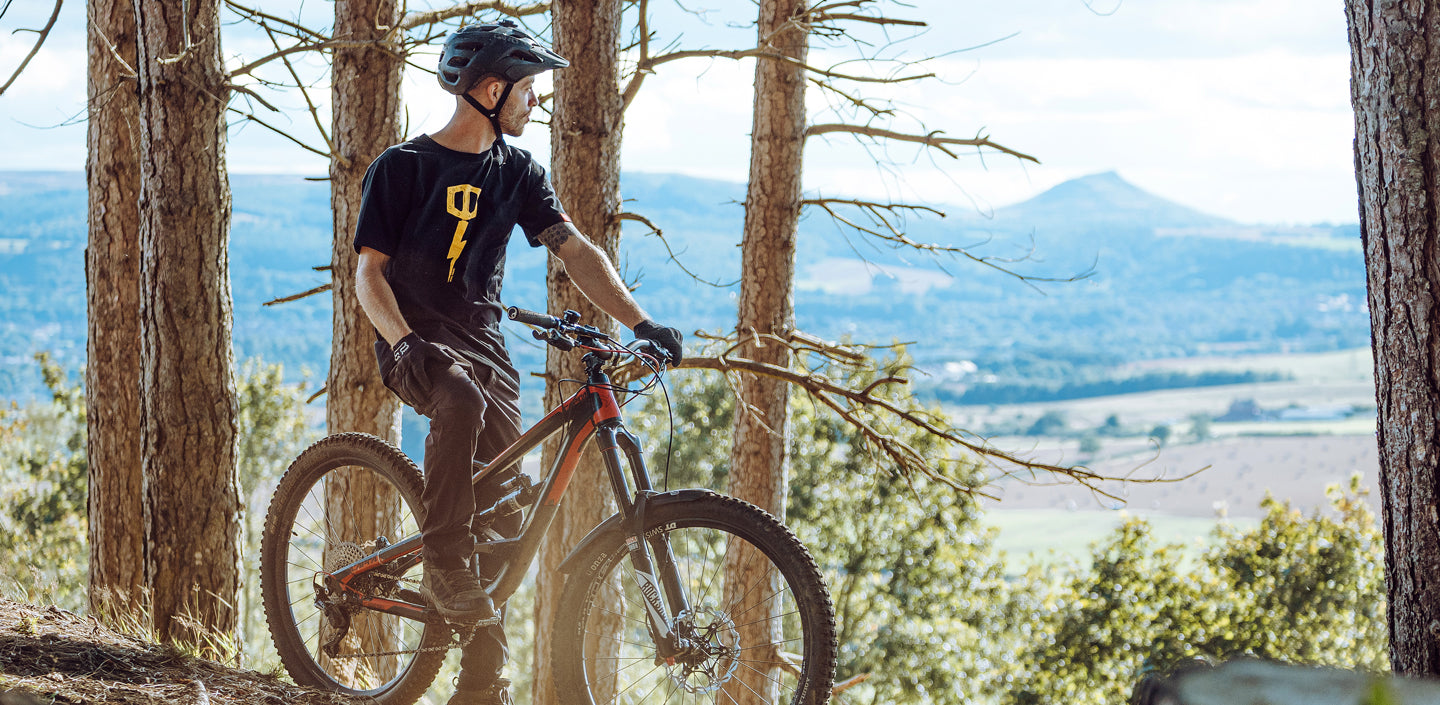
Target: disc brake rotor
{"type": "Point", "coordinates": [713, 653]}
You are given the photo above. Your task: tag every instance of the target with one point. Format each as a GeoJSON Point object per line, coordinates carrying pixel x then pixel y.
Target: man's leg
{"type": "Point", "coordinates": [457, 411]}
{"type": "Point", "coordinates": [483, 660]}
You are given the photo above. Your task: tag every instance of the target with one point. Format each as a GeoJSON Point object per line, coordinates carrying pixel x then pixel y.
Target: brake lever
{"type": "Point", "coordinates": [555, 338]}
{"type": "Point", "coordinates": [650, 349]}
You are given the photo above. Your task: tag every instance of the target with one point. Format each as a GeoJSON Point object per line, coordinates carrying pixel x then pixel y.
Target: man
{"type": "Point", "coordinates": [435, 217]}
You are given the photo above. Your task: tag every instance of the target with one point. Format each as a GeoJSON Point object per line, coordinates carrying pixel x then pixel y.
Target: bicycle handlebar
{"type": "Point", "coordinates": [555, 330]}
{"type": "Point", "coordinates": [532, 318]}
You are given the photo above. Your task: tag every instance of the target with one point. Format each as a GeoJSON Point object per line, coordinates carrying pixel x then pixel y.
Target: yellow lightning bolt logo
{"type": "Point", "coordinates": [463, 202]}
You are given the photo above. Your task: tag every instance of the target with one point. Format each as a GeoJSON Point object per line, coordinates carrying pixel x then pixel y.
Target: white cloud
{"type": "Point", "coordinates": [1238, 107]}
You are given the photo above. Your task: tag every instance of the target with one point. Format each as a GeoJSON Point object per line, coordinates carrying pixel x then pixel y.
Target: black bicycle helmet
{"type": "Point", "coordinates": [502, 49]}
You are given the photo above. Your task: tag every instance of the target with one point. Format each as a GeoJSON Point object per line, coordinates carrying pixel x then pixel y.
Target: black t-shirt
{"type": "Point", "coordinates": [444, 218]}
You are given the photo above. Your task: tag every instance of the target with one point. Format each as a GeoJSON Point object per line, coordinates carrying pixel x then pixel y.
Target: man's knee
{"type": "Point", "coordinates": [457, 402]}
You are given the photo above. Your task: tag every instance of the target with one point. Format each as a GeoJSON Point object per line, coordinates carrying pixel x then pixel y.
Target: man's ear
{"type": "Point", "coordinates": [493, 88]}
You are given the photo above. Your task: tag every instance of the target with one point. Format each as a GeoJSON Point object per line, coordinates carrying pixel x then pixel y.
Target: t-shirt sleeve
{"type": "Point", "coordinates": [541, 208]}
{"type": "Point", "coordinates": [384, 203]}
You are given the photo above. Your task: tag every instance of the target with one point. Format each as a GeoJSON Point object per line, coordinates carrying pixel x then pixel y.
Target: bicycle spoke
{"type": "Point", "coordinates": [765, 619]}
{"type": "Point", "coordinates": [763, 674]}
{"type": "Point", "coordinates": [617, 639]}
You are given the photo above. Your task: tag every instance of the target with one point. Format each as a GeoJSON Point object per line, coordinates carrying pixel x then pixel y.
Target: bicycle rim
{"type": "Point", "coordinates": [329, 511]}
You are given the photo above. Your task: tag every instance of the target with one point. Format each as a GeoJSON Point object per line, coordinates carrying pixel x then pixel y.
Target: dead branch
{"type": "Point", "coordinates": [873, 415]}
{"type": "Point", "coordinates": [252, 117]}
{"type": "Point", "coordinates": [258, 17]}
{"type": "Point", "coordinates": [44, 34]}
{"type": "Point", "coordinates": [411, 20]}
{"type": "Point", "coordinates": [883, 227]}
{"type": "Point", "coordinates": [633, 87]}
{"type": "Point", "coordinates": [855, 101]}
{"type": "Point", "coordinates": [296, 297]}
{"type": "Point", "coordinates": [655, 230]}
{"type": "Point", "coordinates": [303, 47]}
{"type": "Point", "coordinates": [934, 139]}
{"type": "Point", "coordinates": [842, 16]}
{"type": "Point", "coordinates": [309, 102]}
{"type": "Point", "coordinates": [129, 73]}
{"type": "Point", "coordinates": [737, 54]}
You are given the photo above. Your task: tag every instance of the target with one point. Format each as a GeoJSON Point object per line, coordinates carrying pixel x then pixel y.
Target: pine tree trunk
{"type": "Point", "coordinates": [585, 135]}
{"type": "Point", "coordinates": [1397, 157]}
{"type": "Point", "coordinates": [112, 275]}
{"type": "Point", "coordinates": [187, 384]}
{"type": "Point", "coordinates": [366, 120]}
{"type": "Point", "coordinates": [758, 463]}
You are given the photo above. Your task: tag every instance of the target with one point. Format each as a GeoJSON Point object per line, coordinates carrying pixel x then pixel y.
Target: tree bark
{"type": "Point", "coordinates": [365, 121]}
{"type": "Point", "coordinates": [758, 462]}
{"type": "Point", "coordinates": [187, 384]}
{"type": "Point", "coordinates": [112, 274]}
{"type": "Point", "coordinates": [1397, 160]}
{"type": "Point", "coordinates": [585, 132]}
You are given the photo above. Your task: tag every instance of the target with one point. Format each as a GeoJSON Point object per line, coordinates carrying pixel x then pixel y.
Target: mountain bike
{"type": "Point", "coordinates": [681, 596]}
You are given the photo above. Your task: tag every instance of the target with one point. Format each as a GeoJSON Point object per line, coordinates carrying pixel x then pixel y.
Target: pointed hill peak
{"type": "Point", "coordinates": [1107, 199]}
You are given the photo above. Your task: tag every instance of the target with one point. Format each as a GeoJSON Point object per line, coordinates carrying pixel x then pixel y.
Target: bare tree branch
{"type": "Point", "coordinates": [258, 17]}
{"type": "Point", "coordinates": [738, 54]}
{"type": "Point", "coordinates": [636, 79]}
{"type": "Point", "coordinates": [655, 230]}
{"type": "Point", "coordinates": [933, 139]}
{"type": "Point", "coordinates": [860, 409]}
{"type": "Point", "coordinates": [837, 17]}
{"type": "Point", "coordinates": [305, 93]}
{"type": "Point", "coordinates": [296, 297]}
{"type": "Point", "coordinates": [44, 34]}
{"type": "Point", "coordinates": [255, 119]}
{"type": "Point", "coordinates": [303, 47]}
{"type": "Point", "coordinates": [883, 227]}
{"type": "Point", "coordinates": [411, 20]}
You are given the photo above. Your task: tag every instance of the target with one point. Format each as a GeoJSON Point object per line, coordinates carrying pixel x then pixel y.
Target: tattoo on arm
{"type": "Point", "coordinates": [555, 236]}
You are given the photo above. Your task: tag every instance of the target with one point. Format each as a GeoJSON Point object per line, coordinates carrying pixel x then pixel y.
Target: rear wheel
{"type": "Point", "coordinates": [337, 499]}
{"type": "Point", "coordinates": [765, 637]}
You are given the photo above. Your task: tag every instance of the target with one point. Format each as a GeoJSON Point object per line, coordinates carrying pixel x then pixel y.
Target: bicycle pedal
{"type": "Point", "coordinates": [460, 624]}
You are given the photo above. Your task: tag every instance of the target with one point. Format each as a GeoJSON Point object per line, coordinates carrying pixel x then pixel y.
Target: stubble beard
{"type": "Point", "coordinates": [512, 122]}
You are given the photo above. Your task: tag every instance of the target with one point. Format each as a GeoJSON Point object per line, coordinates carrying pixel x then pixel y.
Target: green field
{"type": "Point", "coordinates": [1239, 461]}
{"type": "Point", "coordinates": [1029, 536]}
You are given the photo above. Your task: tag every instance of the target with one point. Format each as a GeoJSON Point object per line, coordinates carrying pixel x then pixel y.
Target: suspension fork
{"type": "Point", "coordinates": [658, 580]}
{"type": "Point", "coordinates": [668, 573]}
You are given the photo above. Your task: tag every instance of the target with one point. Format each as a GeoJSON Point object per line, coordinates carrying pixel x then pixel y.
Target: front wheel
{"type": "Point", "coordinates": [759, 627]}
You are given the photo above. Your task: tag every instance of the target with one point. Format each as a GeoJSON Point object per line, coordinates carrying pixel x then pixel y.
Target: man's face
{"type": "Point", "coordinates": [516, 112]}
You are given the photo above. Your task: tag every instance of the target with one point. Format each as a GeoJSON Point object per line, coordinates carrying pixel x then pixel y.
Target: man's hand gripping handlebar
{"type": "Point", "coordinates": [566, 333]}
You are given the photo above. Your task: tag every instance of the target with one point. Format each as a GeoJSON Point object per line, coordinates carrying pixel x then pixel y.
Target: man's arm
{"type": "Point", "coordinates": [376, 296]}
{"type": "Point", "coordinates": [592, 272]}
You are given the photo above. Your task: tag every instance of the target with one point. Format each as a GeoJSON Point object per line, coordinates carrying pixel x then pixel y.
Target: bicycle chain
{"type": "Point", "coordinates": [473, 629]}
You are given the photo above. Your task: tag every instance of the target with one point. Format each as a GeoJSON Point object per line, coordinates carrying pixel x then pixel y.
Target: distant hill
{"type": "Point", "coordinates": [1165, 280]}
{"type": "Point", "coordinates": [1105, 199]}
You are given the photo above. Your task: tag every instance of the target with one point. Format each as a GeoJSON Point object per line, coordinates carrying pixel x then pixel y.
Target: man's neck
{"type": "Point", "coordinates": [471, 133]}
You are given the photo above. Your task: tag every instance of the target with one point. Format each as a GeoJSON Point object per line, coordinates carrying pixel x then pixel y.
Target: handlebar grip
{"type": "Point", "coordinates": [531, 318]}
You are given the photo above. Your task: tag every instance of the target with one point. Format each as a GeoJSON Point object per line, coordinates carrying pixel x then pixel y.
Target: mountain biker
{"type": "Point", "coordinates": [435, 217]}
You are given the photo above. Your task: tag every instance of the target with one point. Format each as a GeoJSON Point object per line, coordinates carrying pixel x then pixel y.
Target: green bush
{"type": "Point", "coordinates": [1294, 589]}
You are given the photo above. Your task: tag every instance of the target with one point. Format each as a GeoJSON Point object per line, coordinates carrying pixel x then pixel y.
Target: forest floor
{"type": "Point", "coordinates": [50, 655]}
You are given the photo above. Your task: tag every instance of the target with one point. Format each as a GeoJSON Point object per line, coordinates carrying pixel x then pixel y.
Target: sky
{"type": "Point", "coordinates": [1239, 108]}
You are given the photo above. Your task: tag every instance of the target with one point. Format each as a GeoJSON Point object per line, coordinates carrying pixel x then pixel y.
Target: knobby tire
{"type": "Point", "coordinates": [300, 538]}
{"type": "Point", "coordinates": [598, 664]}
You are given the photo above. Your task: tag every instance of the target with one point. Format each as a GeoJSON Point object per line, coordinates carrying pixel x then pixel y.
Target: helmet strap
{"type": "Point", "coordinates": [494, 115]}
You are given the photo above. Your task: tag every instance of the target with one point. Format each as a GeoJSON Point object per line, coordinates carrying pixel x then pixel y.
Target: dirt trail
{"type": "Point", "coordinates": [55, 656]}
